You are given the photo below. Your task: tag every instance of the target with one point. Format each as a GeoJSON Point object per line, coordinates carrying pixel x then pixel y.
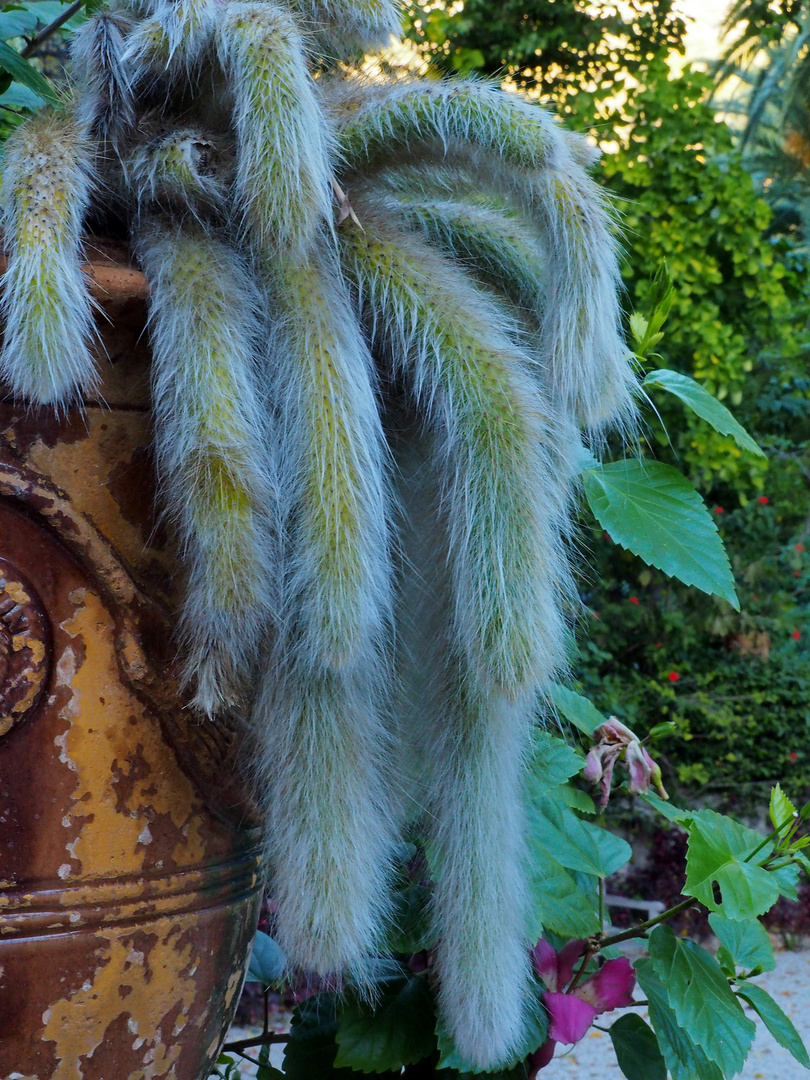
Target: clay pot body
{"type": "Point", "coordinates": [129, 872]}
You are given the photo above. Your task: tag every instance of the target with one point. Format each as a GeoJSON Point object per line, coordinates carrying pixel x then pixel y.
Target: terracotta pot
{"type": "Point", "coordinates": [129, 872]}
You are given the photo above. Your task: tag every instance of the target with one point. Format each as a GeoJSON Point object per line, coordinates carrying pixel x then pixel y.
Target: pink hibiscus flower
{"type": "Point", "coordinates": [572, 1011]}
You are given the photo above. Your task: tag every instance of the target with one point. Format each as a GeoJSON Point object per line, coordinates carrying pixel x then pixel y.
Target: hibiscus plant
{"type": "Point", "coordinates": [688, 1016]}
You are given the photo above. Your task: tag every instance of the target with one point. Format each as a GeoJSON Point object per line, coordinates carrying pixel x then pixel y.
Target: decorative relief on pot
{"type": "Point", "coordinates": [25, 650]}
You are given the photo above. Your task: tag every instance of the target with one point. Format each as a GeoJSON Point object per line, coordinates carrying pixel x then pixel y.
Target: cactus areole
{"type": "Point", "coordinates": [384, 320]}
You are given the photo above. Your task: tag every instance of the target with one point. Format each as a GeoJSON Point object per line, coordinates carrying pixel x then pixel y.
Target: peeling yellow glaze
{"type": "Point", "coordinates": [125, 776]}
{"type": "Point", "coordinates": [77, 1024]}
{"type": "Point", "coordinates": [83, 468]}
{"type": "Point", "coordinates": [16, 591]}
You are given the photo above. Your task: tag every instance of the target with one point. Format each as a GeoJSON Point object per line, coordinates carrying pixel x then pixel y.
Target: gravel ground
{"type": "Point", "coordinates": [593, 1058]}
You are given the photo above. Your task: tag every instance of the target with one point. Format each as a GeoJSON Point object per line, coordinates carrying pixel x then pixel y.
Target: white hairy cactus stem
{"type": "Point", "coordinates": [331, 443]}
{"type": "Point", "coordinates": [496, 242]}
{"type": "Point", "coordinates": [500, 509]}
{"type": "Point", "coordinates": [213, 459]}
{"type": "Point", "coordinates": [345, 28]}
{"type": "Point", "coordinates": [505, 499]}
{"type": "Point", "coordinates": [105, 105]}
{"type": "Point", "coordinates": [283, 172]}
{"type": "Point", "coordinates": [184, 169]}
{"type": "Point", "coordinates": [402, 113]}
{"type": "Point", "coordinates": [47, 180]}
{"type": "Point", "coordinates": [323, 776]}
{"type": "Point", "coordinates": [461, 754]}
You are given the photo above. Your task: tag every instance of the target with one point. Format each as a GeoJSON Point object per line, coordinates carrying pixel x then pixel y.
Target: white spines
{"type": "Point", "coordinates": [342, 28]}
{"type": "Point", "coordinates": [174, 30]}
{"type": "Point", "coordinates": [321, 778]}
{"type": "Point", "coordinates": [213, 460]}
{"type": "Point", "coordinates": [47, 179]}
{"type": "Point", "coordinates": [580, 337]}
{"type": "Point", "coordinates": [331, 443]}
{"type": "Point", "coordinates": [183, 169]}
{"type": "Point", "coordinates": [581, 343]}
{"type": "Point", "coordinates": [406, 112]}
{"type": "Point", "coordinates": [497, 242]}
{"type": "Point", "coordinates": [498, 437]}
{"type": "Point", "coordinates": [325, 745]}
{"type": "Point", "coordinates": [105, 105]}
{"type": "Point", "coordinates": [283, 173]}
{"type": "Point", "coordinates": [502, 508]}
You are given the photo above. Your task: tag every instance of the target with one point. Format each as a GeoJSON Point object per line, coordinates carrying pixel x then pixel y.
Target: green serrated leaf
{"type": "Point", "coordinates": [654, 511]}
{"type": "Point", "coordinates": [637, 1050]}
{"type": "Point", "coordinates": [558, 902]}
{"type": "Point", "coordinates": [16, 23]}
{"type": "Point", "coordinates": [787, 879]}
{"type": "Point", "coordinates": [45, 10]}
{"type": "Point", "coordinates": [25, 73]}
{"type": "Point", "coordinates": [747, 943]}
{"type": "Point", "coordinates": [703, 403]}
{"type": "Point", "coordinates": [269, 1072]}
{"type": "Point", "coordinates": [310, 1054]}
{"type": "Point", "coordinates": [551, 763]}
{"type": "Point", "coordinates": [267, 961]}
{"type": "Point", "coordinates": [716, 855]}
{"type": "Point", "coordinates": [552, 760]}
{"type": "Point", "coordinates": [703, 1003]}
{"type": "Point", "coordinates": [685, 1059]}
{"type": "Point", "coordinates": [672, 813]}
{"type": "Point", "coordinates": [638, 328]}
{"type": "Point", "coordinates": [776, 1021]}
{"type": "Point", "coordinates": [575, 844]}
{"type": "Point", "coordinates": [577, 799]}
{"type": "Point", "coordinates": [576, 709]}
{"type": "Point", "coordinates": [397, 1030]}
{"type": "Point", "coordinates": [781, 809]}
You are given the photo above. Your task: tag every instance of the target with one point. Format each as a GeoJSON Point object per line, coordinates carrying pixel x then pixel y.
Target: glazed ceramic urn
{"type": "Point", "coordinates": [129, 869]}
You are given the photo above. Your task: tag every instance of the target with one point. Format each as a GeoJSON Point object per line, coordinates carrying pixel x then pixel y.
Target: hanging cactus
{"type": "Point", "coordinates": [368, 419]}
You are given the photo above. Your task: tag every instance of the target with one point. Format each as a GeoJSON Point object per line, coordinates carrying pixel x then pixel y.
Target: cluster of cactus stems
{"type": "Point", "coordinates": [367, 424]}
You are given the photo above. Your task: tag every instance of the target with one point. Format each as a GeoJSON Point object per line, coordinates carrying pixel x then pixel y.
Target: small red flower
{"type": "Point", "coordinates": [793, 756]}
{"type": "Point", "coordinates": [796, 635]}
{"type": "Point", "coordinates": [719, 510]}
{"type": "Point", "coordinates": [632, 600]}
{"type": "Point", "coordinates": [756, 598]}
{"type": "Point", "coordinates": [764, 500]}
{"type": "Point", "coordinates": [800, 547]}
{"type": "Point", "coordinates": [673, 676]}
{"type": "Point", "coordinates": [797, 573]}
{"type": "Point", "coordinates": [659, 644]}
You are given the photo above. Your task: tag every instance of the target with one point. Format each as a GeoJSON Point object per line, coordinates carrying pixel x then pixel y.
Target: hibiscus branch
{"type": "Point", "coordinates": [269, 1038]}
{"type": "Point", "coordinates": [642, 928]}
{"type": "Point", "coordinates": [51, 28]}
